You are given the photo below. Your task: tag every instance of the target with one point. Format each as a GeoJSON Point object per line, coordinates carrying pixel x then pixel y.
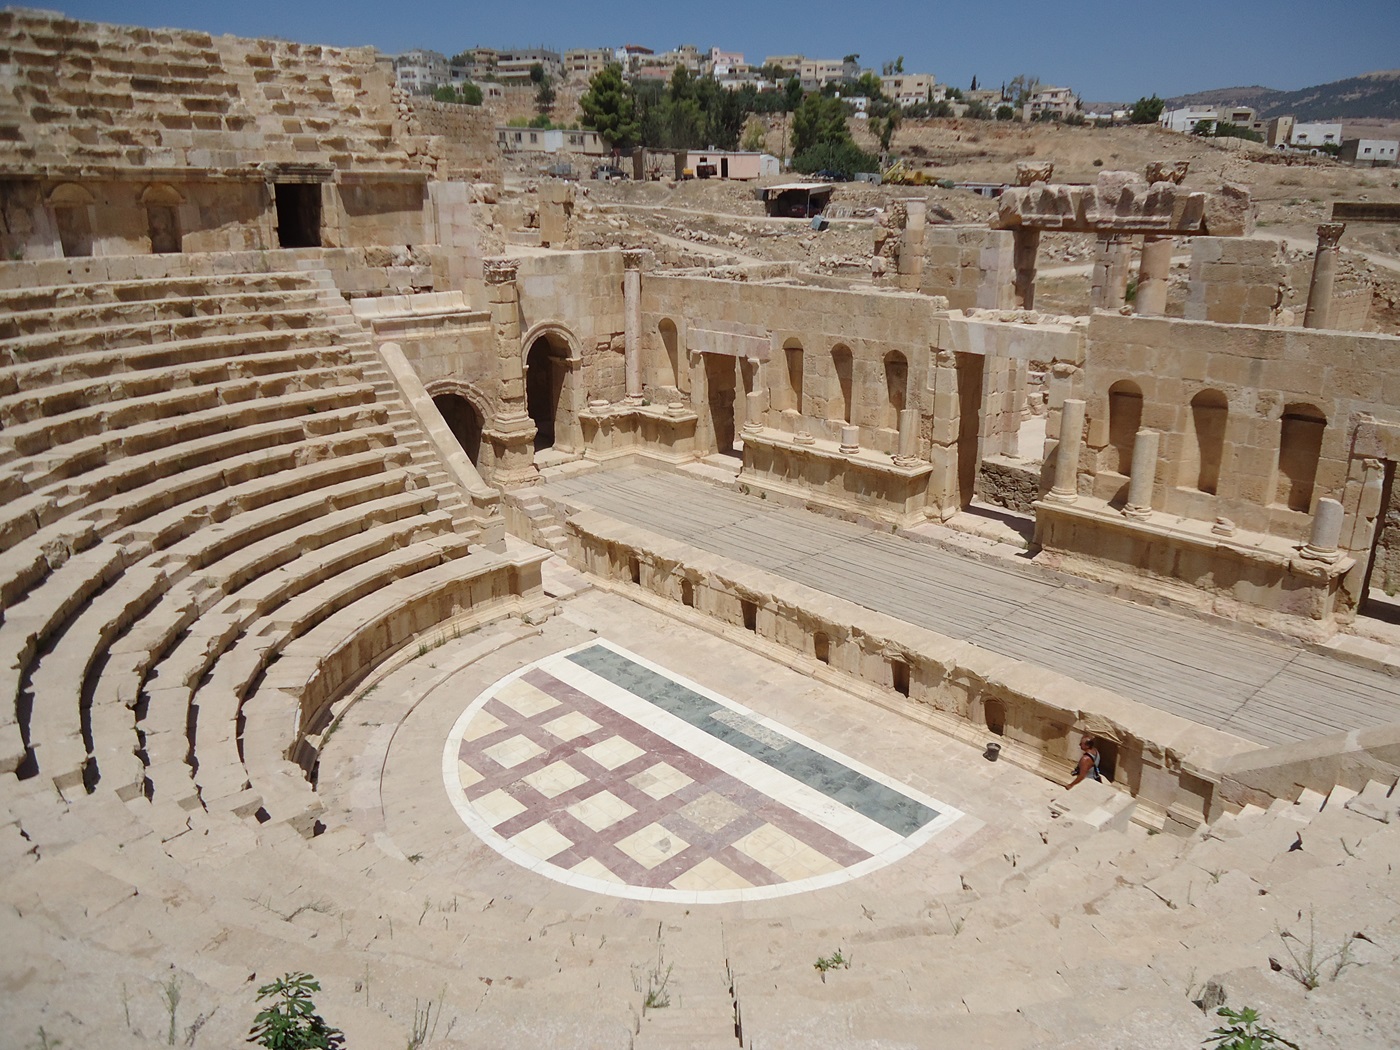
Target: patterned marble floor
{"type": "Point", "coordinates": [605, 771]}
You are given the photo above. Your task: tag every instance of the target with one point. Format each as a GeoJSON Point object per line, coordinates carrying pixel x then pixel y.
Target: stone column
{"type": "Point", "coordinates": [1027, 248]}
{"type": "Point", "coordinates": [911, 245]}
{"type": "Point", "coordinates": [632, 322]}
{"type": "Point", "coordinates": [1144, 470]}
{"type": "Point", "coordinates": [1066, 485]}
{"type": "Point", "coordinates": [1319, 311]}
{"type": "Point", "coordinates": [1326, 532]}
{"type": "Point", "coordinates": [513, 431]}
{"type": "Point", "coordinates": [1110, 288]}
{"type": "Point", "coordinates": [753, 411]}
{"type": "Point", "coordinates": [1153, 273]}
{"type": "Point", "coordinates": [850, 440]}
{"type": "Point", "coordinates": [908, 448]}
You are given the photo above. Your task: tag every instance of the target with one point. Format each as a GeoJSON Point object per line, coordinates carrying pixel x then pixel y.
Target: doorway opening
{"type": "Point", "coordinates": [463, 420]}
{"type": "Point", "coordinates": [545, 368]}
{"type": "Point", "coordinates": [298, 214]}
{"type": "Point", "coordinates": [721, 391]}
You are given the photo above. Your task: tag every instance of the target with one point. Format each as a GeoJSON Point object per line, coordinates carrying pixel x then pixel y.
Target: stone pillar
{"type": "Point", "coordinates": [1144, 470]}
{"type": "Point", "coordinates": [1027, 248]}
{"type": "Point", "coordinates": [1153, 273]}
{"type": "Point", "coordinates": [1319, 311]}
{"type": "Point", "coordinates": [911, 245]}
{"type": "Point", "coordinates": [1066, 486]}
{"type": "Point", "coordinates": [753, 411]}
{"type": "Point", "coordinates": [1110, 288]}
{"type": "Point", "coordinates": [514, 431]}
{"type": "Point", "coordinates": [632, 323]}
{"type": "Point", "coordinates": [1326, 532]}
{"type": "Point", "coordinates": [908, 448]}
{"type": "Point", "coordinates": [850, 439]}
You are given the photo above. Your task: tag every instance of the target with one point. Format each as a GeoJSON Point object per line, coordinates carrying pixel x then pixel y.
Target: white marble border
{"type": "Point", "coordinates": [947, 815]}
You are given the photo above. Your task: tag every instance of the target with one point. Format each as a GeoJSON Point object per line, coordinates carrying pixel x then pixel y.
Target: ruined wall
{"type": "Point", "coordinates": [970, 266]}
{"type": "Point", "coordinates": [463, 137]}
{"type": "Point", "coordinates": [1261, 375]}
{"type": "Point", "coordinates": [1237, 281]}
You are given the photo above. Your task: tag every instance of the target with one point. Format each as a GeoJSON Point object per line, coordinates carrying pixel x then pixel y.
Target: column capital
{"type": "Point", "coordinates": [635, 258]}
{"type": "Point", "coordinates": [1329, 234]}
{"type": "Point", "coordinates": [500, 269]}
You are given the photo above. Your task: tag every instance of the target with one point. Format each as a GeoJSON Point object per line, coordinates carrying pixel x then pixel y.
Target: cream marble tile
{"type": "Point", "coordinates": [602, 810]}
{"type": "Point", "coordinates": [542, 840]}
{"type": "Point", "coordinates": [497, 807]}
{"type": "Point", "coordinates": [710, 874]}
{"type": "Point", "coordinates": [660, 780]}
{"type": "Point", "coordinates": [467, 775]}
{"type": "Point", "coordinates": [571, 726]}
{"type": "Point", "coordinates": [784, 855]}
{"type": "Point", "coordinates": [653, 844]}
{"type": "Point", "coordinates": [595, 868]}
{"type": "Point", "coordinates": [524, 698]}
{"type": "Point", "coordinates": [555, 779]}
{"type": "Point", "coordinates": [517, 749]}
{"type": "Point", "coordinates": [613, 752]}
{"type": "Point", "coordinates": [483, 724]}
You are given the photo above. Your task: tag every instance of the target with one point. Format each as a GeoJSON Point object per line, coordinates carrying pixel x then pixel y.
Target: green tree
{"type": "Point", "coordinates": [466, 95]}
{"type": "Point", "coordinates": [792, 94]}
{"type": "Point", "coordinates": [844, 158]}
{"type": "Point", "coordinates": [536, 73]}
{"type": "Point", "coordinates": [1203, 128]}
{"type": "Point", "coordinates": [978, 111]}
{"type": "Point", "coordinates": [544, 95]}
{"type": "Point", "coordinates": [819, 121]}
{"type": "Point", "coordinates": [1146, 110]}
{"type": "Point", "coordinates": [755, 136]}
{"type": "Point", "coordinates": [609, 108]}
{"type": "Point", "coordinates": [1022, 87]}
{"type": "Point", "coordinates": [885, 128]}
{"type": "Point", "coordinates": [1006, 112]}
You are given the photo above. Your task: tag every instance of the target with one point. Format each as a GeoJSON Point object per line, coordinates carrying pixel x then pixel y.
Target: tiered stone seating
{"type": "Point", "coordinates": [119, 96]}
{"type": "Point", "coordinates": [200, 471]}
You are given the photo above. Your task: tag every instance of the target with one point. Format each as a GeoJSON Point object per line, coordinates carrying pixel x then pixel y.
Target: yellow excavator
{"type": "Point", "coordinates": [898, 174]}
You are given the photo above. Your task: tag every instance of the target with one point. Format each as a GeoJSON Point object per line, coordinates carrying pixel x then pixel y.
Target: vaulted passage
{"type": "Point", "coordinates": [464, 421]}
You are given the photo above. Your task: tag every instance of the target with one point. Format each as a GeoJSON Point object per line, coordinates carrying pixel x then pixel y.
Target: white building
{"type": "Point", "coordinates": [1314, 135]}
{"type": "Point", "coordinates": [724, 63]}
{"type": "Point", "coordinates": [1373, 153]}
{"type": "Point", "coordinates": [909, 89]}
{"type": "Point", "coordinates": [1058, 102]}
{"type": "Point", "coordinates": [551, 140]}
{"type": "Point", "coordinates": [419, 71]}
{"type": "Point", "coordinates": [1184, 120]}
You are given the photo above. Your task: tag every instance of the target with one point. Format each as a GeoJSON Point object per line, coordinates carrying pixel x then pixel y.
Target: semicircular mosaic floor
{"type": "Point", "coordinates": [605, 771]}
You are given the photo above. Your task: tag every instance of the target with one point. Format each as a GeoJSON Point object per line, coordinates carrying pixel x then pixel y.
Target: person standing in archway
{"type": "Point", "coordinates": [1088, 766]}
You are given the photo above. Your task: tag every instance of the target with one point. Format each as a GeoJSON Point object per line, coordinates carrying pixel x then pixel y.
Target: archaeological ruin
{"type": "Point", "coordinates": [625, 647]}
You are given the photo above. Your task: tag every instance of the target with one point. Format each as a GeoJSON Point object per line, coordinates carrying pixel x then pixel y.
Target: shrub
{"type": "Point", "coordinates": [291, 1021]}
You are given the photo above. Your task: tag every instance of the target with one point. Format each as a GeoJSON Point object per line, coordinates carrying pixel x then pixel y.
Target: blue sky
{"type": "Point", "coordinates": [1106, 51]}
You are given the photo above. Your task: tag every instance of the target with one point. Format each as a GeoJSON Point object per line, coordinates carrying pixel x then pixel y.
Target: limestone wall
{"type": "Point", "coordinates": [1236, 281]}
{"type": "Point", "coordinates": [464, 138]}
{"type": "Point", "coordinates": [88, 96]}
{"type": "Point", "coordinates": [1256, 425]}
{"type": "Point", "coordinates": [970, 266]}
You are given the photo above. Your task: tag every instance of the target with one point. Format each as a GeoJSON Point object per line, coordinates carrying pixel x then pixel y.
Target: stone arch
{"type": "Point", "coordinates": [1204, 445]}
{"type": "Point", "coordinates": [466, 411]}
{"type": "Point", "coordinates": [672, 364]}
{"type": "Point", "coordinates": [896, 369]}
{"type": "Point", "coordinates": [549, 354]}
{"type": "Point", "coordinates": [162, 202]}
{"type": "Point", "coordinates": [842, 370]}
{"type": "Point", "coordinates": [793, 365]}
{"type": "Point", "coordinates": [1124, 421]}
{"type": "Point", "coordinates": [73, 207]}
{"type": "Point", "coordinates": [70, 195]}
{"type": "Point", "coordinates": [161, 193]}
{"type": "Point", "coordinates": [1299, 450]}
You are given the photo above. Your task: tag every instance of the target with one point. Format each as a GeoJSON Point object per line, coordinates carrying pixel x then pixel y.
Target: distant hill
{"type": "Point", "coordinates": [1370, 96]}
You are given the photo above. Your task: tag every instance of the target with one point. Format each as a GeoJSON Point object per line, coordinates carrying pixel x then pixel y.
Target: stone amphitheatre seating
{"type": "Point", "coordinates": [216, 511]}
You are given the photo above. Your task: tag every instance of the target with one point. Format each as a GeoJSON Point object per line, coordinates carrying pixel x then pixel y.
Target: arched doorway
{"type": "Point", "coordinates": [463, 420]}
{"type": "Point", "coordinates": [546, 365]}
